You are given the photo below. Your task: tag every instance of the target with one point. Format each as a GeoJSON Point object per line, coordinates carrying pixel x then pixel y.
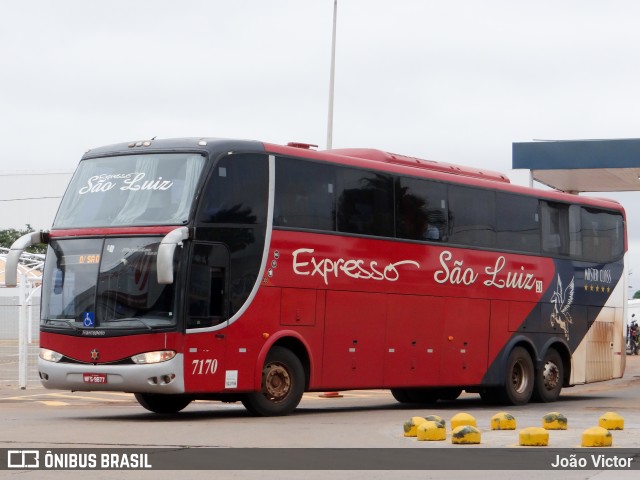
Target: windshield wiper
{"type": "Point", "coordinates": [120, 320]}
{"type": "Point", "coordinates": [67, 322]}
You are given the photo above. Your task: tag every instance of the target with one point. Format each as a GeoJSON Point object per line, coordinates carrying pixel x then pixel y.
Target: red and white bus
{"type": "Point", "coordinates": [244, 271]}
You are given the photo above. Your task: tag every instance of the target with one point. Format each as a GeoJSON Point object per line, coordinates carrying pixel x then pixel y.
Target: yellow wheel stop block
{"type": "Point", "coordinates": [534, 437]}
{"type": "Point", "coordinates": [597, 437]}
{"type": "Point", "coordinates": [432, 431]}
{"type": "Point", "coordinates": [554, 421]}
{"type": "Point", "coordinates": [503, 421]}
{"type": "Point", "coordinates": [462, 419]}
{"type": "Point", "coordinates": [411, 425]}
{"type": "Point", "coordinates": [611, 421]}
{"type": "Point", "coordinates": [465, 434]}
{"type": "Point", "coordinates": [437, 419]}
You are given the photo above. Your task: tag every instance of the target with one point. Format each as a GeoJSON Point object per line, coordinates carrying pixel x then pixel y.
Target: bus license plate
{"type": "Point", "coordinates": [94, 377]}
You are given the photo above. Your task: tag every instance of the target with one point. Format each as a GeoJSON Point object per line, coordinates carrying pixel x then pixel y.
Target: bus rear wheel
{"type": "Point", "coordinates": [161, 403]}
{"type": "Point", "coordinates": [549, 378]}
{"type": "Point", "coordinates": [491, 395]}
{"type": "Point", "coordinates": [282, 385]}
{"type": "Point", "coordinates": [520, 378]}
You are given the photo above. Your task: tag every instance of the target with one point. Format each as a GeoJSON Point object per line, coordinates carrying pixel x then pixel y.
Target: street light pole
{"type": "Point", "coordinates": [331, 78]}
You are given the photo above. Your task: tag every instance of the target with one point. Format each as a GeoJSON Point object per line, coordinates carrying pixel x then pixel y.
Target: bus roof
{"type": "Point", "coordinates": [380, 156]}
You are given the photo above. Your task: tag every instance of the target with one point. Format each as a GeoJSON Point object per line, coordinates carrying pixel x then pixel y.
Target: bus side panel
{"type": "Point", "coordinates": [354, 340]}
{"type": "Point", "coordinates": [414, 337]}
{"type": "Point", "coordinates": [498, 327]}
{"type": "Point", "coordinates": [204, 362]}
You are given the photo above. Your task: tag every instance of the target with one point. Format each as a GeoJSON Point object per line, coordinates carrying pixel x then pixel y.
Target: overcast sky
{"type": "Point", "coordinates": [455, 81]}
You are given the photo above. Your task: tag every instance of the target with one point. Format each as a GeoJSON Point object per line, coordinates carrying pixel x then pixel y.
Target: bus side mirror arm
{"type": "Point", "coordinates": [13, 257]}
{"type": "Point", "coordinates": [165, 254]}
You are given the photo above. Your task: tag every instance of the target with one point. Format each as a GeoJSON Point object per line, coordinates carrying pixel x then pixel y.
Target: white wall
{"type": "Point", "coordinates": [633, 307]}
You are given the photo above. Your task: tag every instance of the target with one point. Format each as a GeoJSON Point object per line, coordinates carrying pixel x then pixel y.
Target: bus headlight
{"type": "Point", "coordinates": [50, 355]}
{"type": "Point", "coordinates": [153, 357]}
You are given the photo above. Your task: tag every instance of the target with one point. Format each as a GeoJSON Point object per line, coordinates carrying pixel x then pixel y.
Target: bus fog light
{"type": "Point", "coordinates": [153, 357]}
{"type": "Point", "coordinates": [50, 355]}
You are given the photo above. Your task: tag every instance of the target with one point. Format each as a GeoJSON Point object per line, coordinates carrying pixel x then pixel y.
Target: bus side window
{"type": "Point", "coordinates": [472, 216]}
{"type": "Point", "coordinates": [518, 223]}
{"type": "Point", "coordinates": [555, 228]}
{"type": "Point", "coordinates": [237, 191]}
{"type": "Point", "coordinates": [233, 212]}
{"type": "Point", "coordinates": [365, 203]}
{"type": "Point", "coordinates": [601, 234]}
{"type": "Point", "coordinates": [421, 212]}
{"type": "Point", "coordinates": [305, 195]}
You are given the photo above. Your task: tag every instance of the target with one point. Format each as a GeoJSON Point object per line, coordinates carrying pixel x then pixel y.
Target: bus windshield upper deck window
{"type": "Point", "coordinates": [150, 189]}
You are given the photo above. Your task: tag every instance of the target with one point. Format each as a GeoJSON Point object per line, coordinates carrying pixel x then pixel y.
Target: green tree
{"type": "Point", "coordinates": [637, 294]}
{"type": "Point", "coordinates": [10, 235]}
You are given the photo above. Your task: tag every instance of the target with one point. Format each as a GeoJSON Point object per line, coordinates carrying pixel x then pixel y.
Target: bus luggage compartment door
{"type": "Point", "coordinates": [354, 340]}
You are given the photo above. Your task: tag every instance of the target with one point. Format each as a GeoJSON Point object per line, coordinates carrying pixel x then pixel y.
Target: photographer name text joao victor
{"type": "Point", "coordinates": [591, 461]}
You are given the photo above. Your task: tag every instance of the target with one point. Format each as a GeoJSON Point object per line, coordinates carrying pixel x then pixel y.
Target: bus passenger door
{"type": "Point", "coordinates": [207, 307]}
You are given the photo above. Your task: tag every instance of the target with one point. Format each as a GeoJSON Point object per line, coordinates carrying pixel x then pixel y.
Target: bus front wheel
{"type": "Point", "coordinates": [282, 385]}
{"type": "Point", "coordinates": [416, 395]}
{"type": "Point", "coordinates": [520, 377]}
{"type": "Point", "coordinates": [161, 403]}
{"type": "Point", "coordinates": [549, 378]}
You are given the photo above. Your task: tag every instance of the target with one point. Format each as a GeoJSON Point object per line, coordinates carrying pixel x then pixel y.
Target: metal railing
{"type": "Point", "coordinates": [19, 322]}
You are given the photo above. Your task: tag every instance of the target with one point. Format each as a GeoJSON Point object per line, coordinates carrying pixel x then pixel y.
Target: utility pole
{"type": "Point", "coordinates": [331, 78]}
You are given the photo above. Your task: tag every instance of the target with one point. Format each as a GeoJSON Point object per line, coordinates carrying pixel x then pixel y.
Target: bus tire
{"type": "Point", "coordinates": [282, 385]}
{"type": "Point", "coordinates": [161, 403]}
{"type": "Point", "coordinates": [450, 394]}
{"type": "Point", "coordinates": [491, 395]}
{"type": "Point", "coordinates": [549, 378]}
{"type": "Point", "coordinates": [520, 378]}
{"type": "Point", "coordinates": [401, 395]}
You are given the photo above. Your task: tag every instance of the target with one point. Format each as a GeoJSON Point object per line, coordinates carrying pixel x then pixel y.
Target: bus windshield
{"type": "Point", "coordinates": [105, 283]}
{"type": "Point", "coordinates": [149, 189]}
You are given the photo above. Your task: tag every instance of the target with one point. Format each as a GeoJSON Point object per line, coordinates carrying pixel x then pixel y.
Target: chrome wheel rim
{"type": "Point", "coordinates": [519, 378]}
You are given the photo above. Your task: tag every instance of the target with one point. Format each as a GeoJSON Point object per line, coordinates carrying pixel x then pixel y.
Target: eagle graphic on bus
{"type": "Point", "coordinates": [562, 300]}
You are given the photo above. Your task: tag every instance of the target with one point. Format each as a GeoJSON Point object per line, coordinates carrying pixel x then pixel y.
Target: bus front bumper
{"type": "Point", "coordinates": [165, 377]}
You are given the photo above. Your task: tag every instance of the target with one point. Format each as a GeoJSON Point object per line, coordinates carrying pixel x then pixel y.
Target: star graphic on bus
{"type": "Point", "coordinates": [562, 300]}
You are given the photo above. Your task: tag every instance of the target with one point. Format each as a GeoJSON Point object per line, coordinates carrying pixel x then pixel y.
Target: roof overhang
{"type": "Point", "coordinates": [582, 165]}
